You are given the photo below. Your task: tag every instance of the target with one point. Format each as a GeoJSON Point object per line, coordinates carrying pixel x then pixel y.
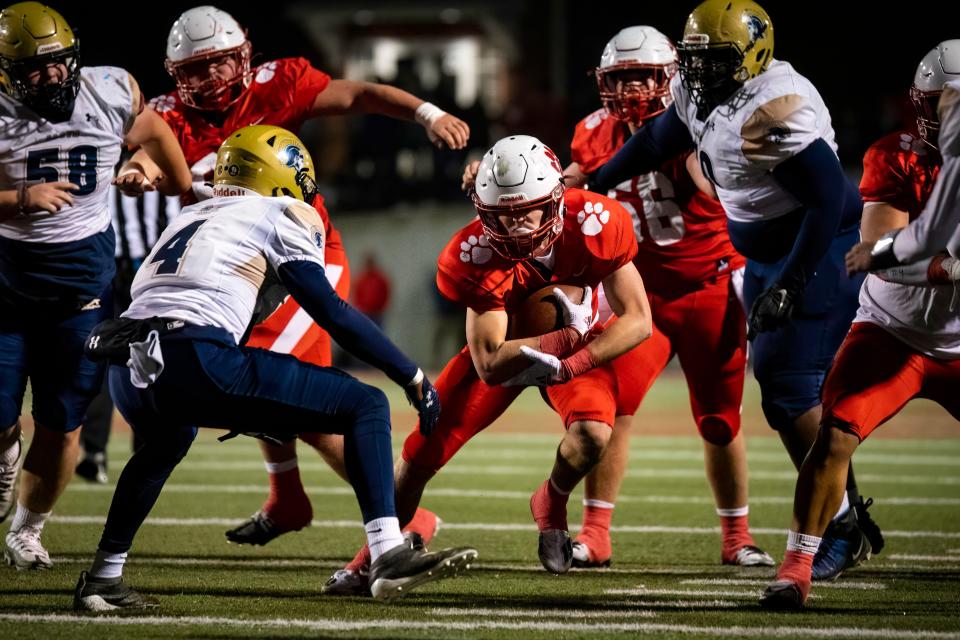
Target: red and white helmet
{"type": "Point", "coordinates": [519, 177]}
{"type": "Point", "coordinates": [201, 37]}
{"type": "Point", "coordinates": [634, 74]}
{"type": "Point", "coordinates": [939, 66]}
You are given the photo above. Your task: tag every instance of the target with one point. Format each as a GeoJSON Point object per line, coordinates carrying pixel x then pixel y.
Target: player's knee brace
{"type": "Point", "coordinates": [718, 430]}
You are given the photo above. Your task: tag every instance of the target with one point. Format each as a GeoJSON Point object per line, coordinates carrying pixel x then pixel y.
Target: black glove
{"type": "Point", "coordinates": [424, 398]}
{"type": "Point", "coordinates": [772, 309]}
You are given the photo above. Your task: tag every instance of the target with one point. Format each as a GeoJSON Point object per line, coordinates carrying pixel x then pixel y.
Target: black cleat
{"type": "Point", "coordinates": [847, 543]}
{"type": "Point", "coordinates": [93, 468]}
{"type": "Point", "coordinates": [870, 529]}
{"type": "Point", "coordinates": [782, 595]}
{"type": "Point", "coordinates": [92, 594]}
{"type": "Point", "coordinates": [258, 529]}
{"type": "Point", "coordinates": [406, 567]}
{"type": "Point", "coordinates": [555, 550]}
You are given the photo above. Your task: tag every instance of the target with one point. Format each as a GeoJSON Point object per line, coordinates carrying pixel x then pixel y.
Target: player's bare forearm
{"type": "Point", "coordinates": [628, 299]}
{"type": "Point", "coordinates": [574, 177]}
{"type": "Point", "coordinates": [158, 143]}
{"type": "Point", "coordinates": [495, 358]}
{"type": "Point", "coordinates": [880, 218]}
{"type": "Point", "coordinates": [349, 97]}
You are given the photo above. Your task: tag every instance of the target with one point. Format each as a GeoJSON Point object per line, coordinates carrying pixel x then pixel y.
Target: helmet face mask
{"type": "Point", "coordinates": [202, 40]}
{"type": "Point", "coordinates": [34, 38]}
{"type": "Point", "coordinates": [928, 121]}
{"type": "Point", "coordinates": [709, 73]}
{"type": "Point", "coordinates": [634, 92]}
{"type": "Point", "coordinates": [525, 230]}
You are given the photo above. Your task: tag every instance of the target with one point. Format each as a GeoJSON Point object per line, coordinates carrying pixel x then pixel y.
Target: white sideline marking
{"type": "Point", "coordinates": [332, 624]}
{"type": "Point", "coordinates": [544, 613]}
{"type": "Point", "coordinates": [480, 526]}
{"type": "Point", "coordinates": [261, 489]}
{"type": "Point", "coordinates": [922, 558]}
{"type": "Point", "coordinates": [866, 586]}
{"type": "Point", "coordinates": [527, 470]}
{"type": "Point", "coordinates": [700, 593]}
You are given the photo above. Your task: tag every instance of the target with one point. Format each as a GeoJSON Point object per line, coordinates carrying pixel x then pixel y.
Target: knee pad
{"type": "Point", "coordinates": [718, 430]}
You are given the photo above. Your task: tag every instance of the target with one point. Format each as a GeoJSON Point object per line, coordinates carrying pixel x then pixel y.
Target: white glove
{"type": "Point", "coordinates": [202, 173]}
{"type": "Point", "coordinates": [578, 316]}
{"type": "Point", "coordinates": [542, 372]}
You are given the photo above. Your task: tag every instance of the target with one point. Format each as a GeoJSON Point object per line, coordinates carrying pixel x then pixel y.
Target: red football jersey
{"type": "Point", "coordinates": [900, 169]}
{"type": "Point", "coordinates": [681, 230]}
{"type": "Point", "coordinates": [597, 239]}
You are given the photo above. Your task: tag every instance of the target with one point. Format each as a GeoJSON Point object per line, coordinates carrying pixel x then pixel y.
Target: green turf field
{"type": "Point", "coordinates": [666, 579]}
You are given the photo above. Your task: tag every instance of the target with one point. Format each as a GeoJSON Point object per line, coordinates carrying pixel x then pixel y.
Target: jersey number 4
{"type": "Point", "coordinates": [81, 169]}
{"type": "Point", "coordinates": [169, 255]}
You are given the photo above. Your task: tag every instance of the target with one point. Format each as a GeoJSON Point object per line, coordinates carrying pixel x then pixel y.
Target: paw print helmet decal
{"type": "Point", "coordinates": [519, 197]}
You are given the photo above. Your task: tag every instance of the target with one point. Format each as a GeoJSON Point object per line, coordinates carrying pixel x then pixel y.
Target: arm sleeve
{"type": "Point", "coordinates": [815, 178]}
{"type": "Point", "coordinates": [355, 332]}
{"type": "Point", "coordinates": [657, 141]}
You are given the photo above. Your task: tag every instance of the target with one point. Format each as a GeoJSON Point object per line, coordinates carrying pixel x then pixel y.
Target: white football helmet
{"type": "Point", "coordinates": [201, 37]}
{"type": "Point", "coordinates": [939, 66]}
{"type": "Point", "coordinates": [518, 178]}
{"type": "Point", "coordinates": [634, 74]}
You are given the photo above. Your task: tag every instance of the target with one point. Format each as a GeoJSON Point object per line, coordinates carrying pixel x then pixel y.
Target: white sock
{"type": "Point", "coordinates": [383, 534]}
{"type": "Point", "coordinates": [280, 467]}
{"type": "Point", "coordinates": [26, 518]}
{"type": "Point", "coordinates": [734, 513]}
{"type": "Point", "coordinates": [597, 504]}
{"type": "Point", "coordinates": [107, 565]}
{"type": "Point", "coordinates": [844, 507]}
{"type": "Point", "coordinates": [9, 457]}
{"type": "Point", "coordinates": [803, 543]}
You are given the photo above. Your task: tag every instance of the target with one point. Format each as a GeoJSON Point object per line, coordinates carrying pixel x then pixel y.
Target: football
{"type": "Point", "coordinates": [541, 312]}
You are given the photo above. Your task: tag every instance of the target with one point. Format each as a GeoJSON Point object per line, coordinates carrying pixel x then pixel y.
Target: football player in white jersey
{"type": "Point", "coordinates": [193, 299]}
{"type": "Point", "coordinates": [62, 128]}
{"type": "Point", "coordinates": [764, 139]}
{"type": "Point", "coordinates": [905, 341]}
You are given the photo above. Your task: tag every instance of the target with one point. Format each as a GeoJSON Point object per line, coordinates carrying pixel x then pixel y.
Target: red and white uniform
{"type": "Point", "coordinates": [282, 93]}
{"type": "Point", "coordinates": [596, 240]}
{"type": "Point", "coordinates": [692, 275]}
{"type": "Point", "coordinates": [905, 340]}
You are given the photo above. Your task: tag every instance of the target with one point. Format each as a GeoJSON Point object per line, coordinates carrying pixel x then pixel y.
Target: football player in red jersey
{"type": "Point", "coordinates": [693, 276]}
{"type": "Point", "coordinates": [531, 231]}
{"type": "Point", "coordinates": [217, 92]}
{"type": "Point", "coordinates": [905, 339]}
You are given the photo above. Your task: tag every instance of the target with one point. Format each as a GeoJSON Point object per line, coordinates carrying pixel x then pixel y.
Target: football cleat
{"type": "Point", "coordinates": [847, 543]}
{"type": "Point", "coordinates": [349, 582]}
{"type": "Point", "coordinates": [403, 568]}
{"type": "Point", "coordinates": [259, 529]}
{"type": "Point", "coordinates": [24, 551]}
{"type": "Point", "coordinates": [555, 550]}
{"type": "Point", "coordinates": [582, 559]}
{"type": "Point", "coordinates": [782, 595]}
{"type": "Point", "coordinates": [94, 594]}
{"type": "Point", "coordinates": [8, 484]}
{"type": "Point", "coordinates": [93, 468]}
{"type": "Point", "coordinates": [750, 556]}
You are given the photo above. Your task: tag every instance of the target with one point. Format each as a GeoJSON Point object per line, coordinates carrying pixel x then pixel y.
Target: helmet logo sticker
{"type": "Point", "coordinates": [476, 250]}
{"type": "Point", "coordinates": [756, 27]}
{"type": "Point", "coordinates": [592, 218]}
{"type": "Point", "coordinates": [294, 157]}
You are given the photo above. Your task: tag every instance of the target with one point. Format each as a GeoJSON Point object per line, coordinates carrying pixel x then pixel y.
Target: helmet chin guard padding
{"type": "Point", "coordinates": [518, 195]}
{"type": "Point", "coordinates": [634, 74]}
{"type": "Point", "coordinates": [200, 38]}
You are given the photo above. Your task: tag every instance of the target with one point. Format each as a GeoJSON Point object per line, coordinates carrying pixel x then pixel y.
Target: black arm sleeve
{"type": "Point", "coordinates": [653, 144]}
{"type": "Point", "coordinates": [355, 332]}
{"type": "Point", "coordinates": [815, 178]}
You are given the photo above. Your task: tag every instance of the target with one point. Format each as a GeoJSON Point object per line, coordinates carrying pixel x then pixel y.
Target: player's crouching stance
{"type": "Point", "coordinates": [192, 299]}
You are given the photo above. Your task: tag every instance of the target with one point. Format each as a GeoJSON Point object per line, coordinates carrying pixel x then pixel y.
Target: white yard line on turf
{"type": "Point", "coordinates": [923, 558]}
{"type": "Point", "coordinates": [544, 613]}
{"type": "Point", "coordinates": [481, 526]}
{"type": "Point", "coordinates": [392, 625]}
{"type": "Point", "coordinates": [261, 489]}
{"type": "Point", "coordinates": [935, 478]}
{"type": "Point", "coordinates": [693, 593]}
{"type": "Point", "coordinates": [864, 586]}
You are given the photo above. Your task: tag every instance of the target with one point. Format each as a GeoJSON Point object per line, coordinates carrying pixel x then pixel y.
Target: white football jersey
{"type": "Point", "coordinates": [83, 150]}
{"type": "Point", "coordinates": [773, 117]}
{"type": "Point", "coordinates": [209, 264]}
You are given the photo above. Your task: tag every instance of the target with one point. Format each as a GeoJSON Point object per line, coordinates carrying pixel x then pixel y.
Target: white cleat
{"type": "Point", "coordinates": [751, 556]}
{"type": "Point", "coordinates": [8, 484]}
{"type": "Point", "coordinates": [24, 551]}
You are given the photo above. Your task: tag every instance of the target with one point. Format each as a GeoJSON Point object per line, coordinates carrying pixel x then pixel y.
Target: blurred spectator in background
{"type": "Point", "coordinates": [371, 291]}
